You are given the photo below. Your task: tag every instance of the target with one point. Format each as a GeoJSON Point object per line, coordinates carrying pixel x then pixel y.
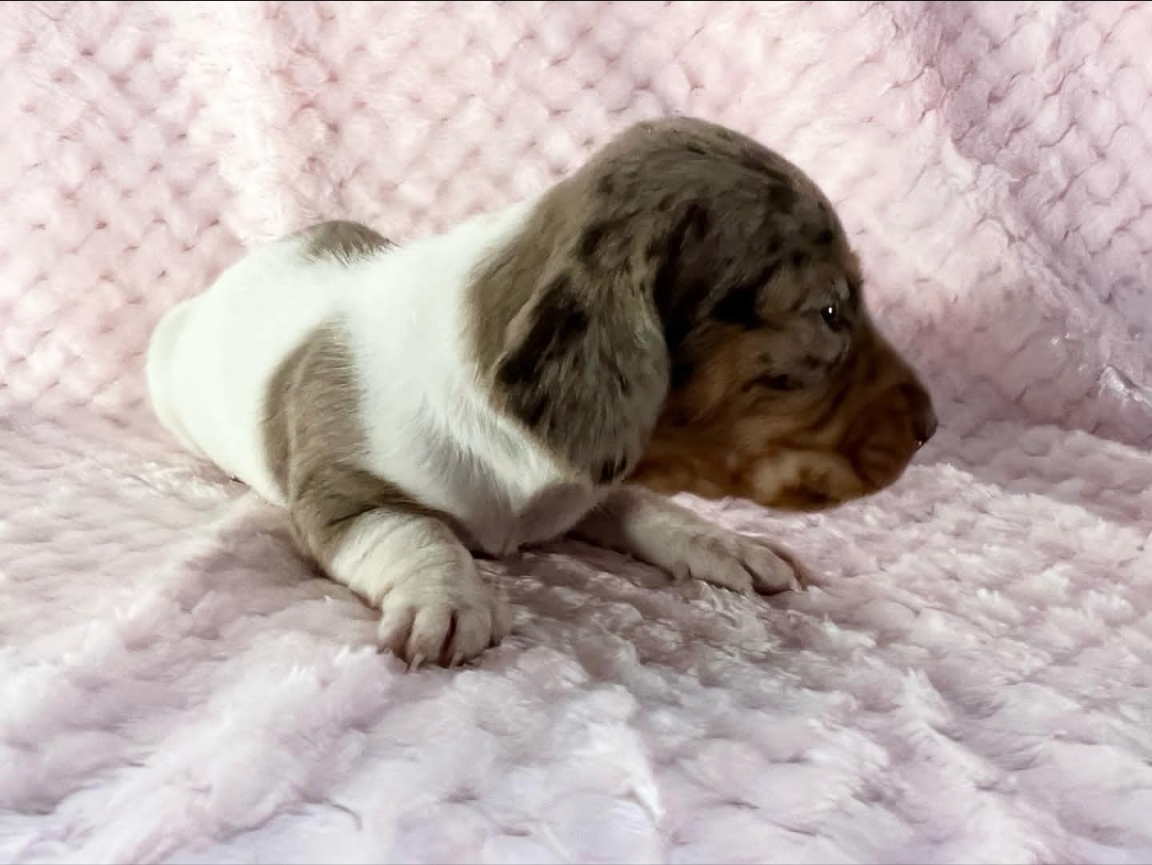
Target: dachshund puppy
{"type": "Point", "coordinates": [682, 313]}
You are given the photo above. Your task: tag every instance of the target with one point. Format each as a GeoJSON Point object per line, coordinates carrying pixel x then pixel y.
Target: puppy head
{"type": "Point", "coordinates": [782, 389]}
{"type": "Point", "coordinates": [807, 413]}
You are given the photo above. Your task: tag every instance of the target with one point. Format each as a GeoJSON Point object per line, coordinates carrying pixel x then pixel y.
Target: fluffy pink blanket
{"type": "Point", "coordinates": [972, 680]}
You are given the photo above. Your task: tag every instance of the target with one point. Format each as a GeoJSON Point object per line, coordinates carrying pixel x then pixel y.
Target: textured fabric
{"type": "Point", "coordinates": [971, 680]}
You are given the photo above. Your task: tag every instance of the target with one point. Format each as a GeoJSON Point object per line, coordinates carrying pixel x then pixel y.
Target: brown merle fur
{"type": "Point", "coordinates": [686, 310]}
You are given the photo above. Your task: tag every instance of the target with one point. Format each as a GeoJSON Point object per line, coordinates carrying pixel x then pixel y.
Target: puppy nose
{"type": "Point", "coordinates": [926, 423]}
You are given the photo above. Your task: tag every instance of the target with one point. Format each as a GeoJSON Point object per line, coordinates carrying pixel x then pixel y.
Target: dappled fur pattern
{"type": "Point", "coordinates": [686, 308]}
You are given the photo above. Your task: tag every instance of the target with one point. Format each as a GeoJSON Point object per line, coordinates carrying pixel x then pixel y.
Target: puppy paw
{"type": "Point", "coordinates": [442, 620]}
{"type": "Point", "coordinates": [742, 563]}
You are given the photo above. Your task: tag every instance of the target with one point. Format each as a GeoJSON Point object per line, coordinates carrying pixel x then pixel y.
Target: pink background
{"type": "Point", "coordinates": [970, 682]}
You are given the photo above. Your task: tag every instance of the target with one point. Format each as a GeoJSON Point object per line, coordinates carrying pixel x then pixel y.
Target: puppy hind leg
{"type": "Point", "coordinates": [362, 530]}
{"type": "Point", "coordinates": [433, 604]}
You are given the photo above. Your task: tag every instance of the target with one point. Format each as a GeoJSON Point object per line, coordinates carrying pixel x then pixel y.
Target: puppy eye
{"type": "Point", "coordinates": [831, 316]}
{"type": "Point", "coordinates": [778, 382]}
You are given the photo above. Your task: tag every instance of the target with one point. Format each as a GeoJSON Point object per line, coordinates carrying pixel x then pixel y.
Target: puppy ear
{"type": "Point", "coordinates": [585, 367]}
{"type": "Point", "coordinates": [682, 274]}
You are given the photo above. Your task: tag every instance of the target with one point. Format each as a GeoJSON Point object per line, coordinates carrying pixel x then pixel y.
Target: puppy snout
{"type": "Point", "coordinates": [924, 420]}
{"type": "Point", "coordinates": [926, 426]}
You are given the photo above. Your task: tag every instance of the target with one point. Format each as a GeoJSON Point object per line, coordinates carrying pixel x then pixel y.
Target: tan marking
{"type": "Point", "coordinates": [791, 452]}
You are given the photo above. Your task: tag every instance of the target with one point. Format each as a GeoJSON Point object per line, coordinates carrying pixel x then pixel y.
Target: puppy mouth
{"type": "Point", "coordinates": [809, 500]}
{"type": "Point", "coordinates": [879, 467]}
{"type": "Point", "coordinates": [888, 432]}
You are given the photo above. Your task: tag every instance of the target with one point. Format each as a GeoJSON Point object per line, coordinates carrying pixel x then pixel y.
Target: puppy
{"type": "Point", "coordinates": [683, 313]}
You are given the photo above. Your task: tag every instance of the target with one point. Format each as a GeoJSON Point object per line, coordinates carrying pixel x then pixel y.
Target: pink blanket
{"type": "Point", "coordinates": [972, 680]}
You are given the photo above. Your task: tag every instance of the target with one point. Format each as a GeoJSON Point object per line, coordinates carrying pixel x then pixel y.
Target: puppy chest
{"type": "Point", "coordinates": [498, 525]}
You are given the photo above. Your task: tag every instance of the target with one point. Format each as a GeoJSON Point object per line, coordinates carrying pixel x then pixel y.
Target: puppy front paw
{"type": "Point", "coordinates": [445, 619]}
{"type": "Point", "coordinates": [742, 563]}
